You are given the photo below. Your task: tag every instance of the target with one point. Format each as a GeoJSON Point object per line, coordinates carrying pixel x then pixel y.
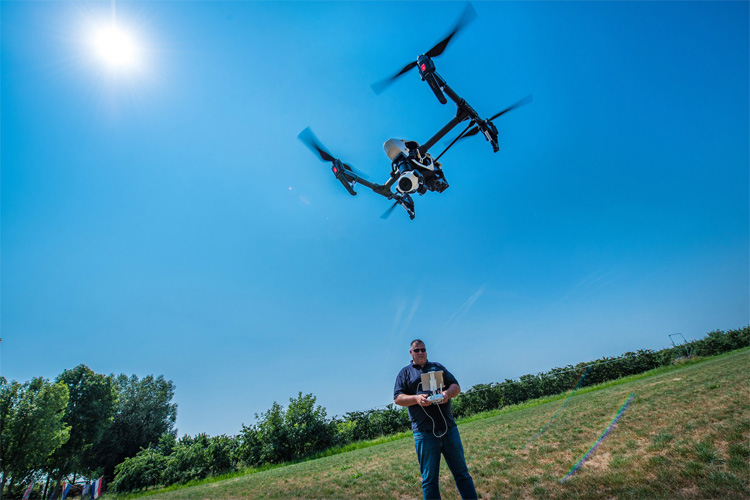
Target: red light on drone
{"type": "Point", "coordinates": [335, 170]}
{"type": "Point", "coordinates": [423, 67]}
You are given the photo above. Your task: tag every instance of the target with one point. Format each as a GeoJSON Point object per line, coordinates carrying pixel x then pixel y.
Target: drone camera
{"type": "Point", "coordinates": [410, 181]}
{"type": "Point", "coordinates": [411, 171]}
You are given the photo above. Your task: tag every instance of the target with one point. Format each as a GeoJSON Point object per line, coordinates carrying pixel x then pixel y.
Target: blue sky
{"type": "Point", "coordinates": [164, 218]}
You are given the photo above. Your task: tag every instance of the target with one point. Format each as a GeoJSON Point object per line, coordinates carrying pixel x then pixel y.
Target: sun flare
{"type": "Point", "coordinates": [115, 47]}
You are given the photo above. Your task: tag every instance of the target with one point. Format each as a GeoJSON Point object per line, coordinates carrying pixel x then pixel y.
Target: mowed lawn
{"type": "Point", "coordinates": [685, 434]}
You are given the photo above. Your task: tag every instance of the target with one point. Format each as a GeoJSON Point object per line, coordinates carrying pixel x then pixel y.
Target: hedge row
{"type": "Point", "coordinates": [483, 397]}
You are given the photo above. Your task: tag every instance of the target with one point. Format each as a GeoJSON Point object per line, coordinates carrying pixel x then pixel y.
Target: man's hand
{"type": "Point", "coordinates": [451, 392]}
{"type": "Point", "coordinates": [422, 400]}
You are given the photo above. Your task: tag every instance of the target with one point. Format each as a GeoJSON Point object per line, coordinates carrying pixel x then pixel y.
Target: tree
{"type": "Point", "coordinates": [297, 432]}
{"type": "Point", "coordinates": [249, 446]}
{"type": "Point", "coordinates": [272, 435]}
{"type": "Point", "coordinates": [144, 412]}
{"type": "Point", "coordinates": [31, 426]}
{"type": "Point", "coordinates": [90, 410]}
{"type": "Point", "coordinates": [308, 430]}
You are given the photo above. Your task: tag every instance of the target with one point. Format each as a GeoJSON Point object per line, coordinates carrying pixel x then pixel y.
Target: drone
{"type": "Point", "coordinates": [413, 169]}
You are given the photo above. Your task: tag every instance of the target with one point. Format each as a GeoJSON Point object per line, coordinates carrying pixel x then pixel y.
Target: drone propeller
{"type": "Point", "coordinates": [475, 129]}
{"type": "Point", "coordinates": [312, 142]}
{"type": "Point", "coordinates": [388, 212]}
{"type": "Point", "coordinates": [402, 199]}
{"type": "Point", "coordinates": [468, 15]}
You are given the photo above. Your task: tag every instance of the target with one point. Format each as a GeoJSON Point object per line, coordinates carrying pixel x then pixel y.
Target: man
{"type": "Point", "coordinates": [435, 431]}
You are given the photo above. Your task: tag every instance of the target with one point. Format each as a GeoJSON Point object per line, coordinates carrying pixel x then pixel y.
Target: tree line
{"type": "Point", "coordinates": [136, 447]}
{"type": "Point", "coordinates": [82, 424]}
{"type": "Point", "coordinates": [483, 397]}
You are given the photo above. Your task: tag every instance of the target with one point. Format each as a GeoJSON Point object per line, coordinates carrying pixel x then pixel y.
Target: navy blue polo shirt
{"type": "Point", "coordinates": [409, 382]}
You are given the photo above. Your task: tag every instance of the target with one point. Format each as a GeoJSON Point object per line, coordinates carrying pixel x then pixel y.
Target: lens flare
{"type": "Point", "coordinates": [599, 440]}
{"type": "Point", "coordinates": [565, 402]}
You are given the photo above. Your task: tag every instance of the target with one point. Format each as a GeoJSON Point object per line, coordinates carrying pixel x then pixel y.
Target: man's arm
{"type": "Point", "coordinates": [400, 396]}
{"type": "Point", "coordinates": [409, 400]}
{"type": "Point", "coordinates": [451, 392]}
{"type": "Point", "coordinates": [421, 399]}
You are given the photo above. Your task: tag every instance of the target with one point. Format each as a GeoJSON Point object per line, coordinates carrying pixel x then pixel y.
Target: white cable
{"type": "Point", "coordinates": [433, 422]}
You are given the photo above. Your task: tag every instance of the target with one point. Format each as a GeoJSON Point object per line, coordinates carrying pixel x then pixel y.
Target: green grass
{"type": "Point", "coordinates": [686, 434]}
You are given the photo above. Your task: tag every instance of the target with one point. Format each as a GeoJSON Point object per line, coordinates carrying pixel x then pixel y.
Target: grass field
{"type": "Point", "coordinates": [685, 434]}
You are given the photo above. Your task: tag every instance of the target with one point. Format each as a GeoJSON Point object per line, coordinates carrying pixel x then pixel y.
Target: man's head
{"type": "Point", "coordinates": [418, 352]}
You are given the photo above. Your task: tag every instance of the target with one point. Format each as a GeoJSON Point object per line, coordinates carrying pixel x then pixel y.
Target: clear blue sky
{"type": "Point", "coordinates": [164, 218]}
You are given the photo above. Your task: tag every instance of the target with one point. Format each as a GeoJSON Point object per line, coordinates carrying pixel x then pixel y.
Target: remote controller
{"type": "Point", "coordinates": [436, 398]}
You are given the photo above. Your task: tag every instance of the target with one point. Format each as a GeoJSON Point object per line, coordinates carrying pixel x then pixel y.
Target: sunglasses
{"type": "Point", "coordinates": [421, 349]}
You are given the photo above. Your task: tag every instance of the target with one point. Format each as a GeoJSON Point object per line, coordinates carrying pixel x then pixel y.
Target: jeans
{"type": "Point", "coordinates": [429, 449]}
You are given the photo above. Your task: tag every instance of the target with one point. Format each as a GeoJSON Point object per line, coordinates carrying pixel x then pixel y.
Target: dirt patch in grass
{"type": "Point", "coordinates": [599, 462]}
{"type": "Point", "coordinates": [691, 492]}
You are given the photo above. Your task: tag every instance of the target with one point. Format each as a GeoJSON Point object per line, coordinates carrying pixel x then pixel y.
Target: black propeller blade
{"type": "Point", "coordinates": [356, 171]}
{"type": "Point", "coordinates": [468, 15]}
{"type": "Point", "coordinates": [312, 142]}
{"type": "Point", "coordinates": [522, 102]}
{"type": "Point", "coordinates": [388, 212]}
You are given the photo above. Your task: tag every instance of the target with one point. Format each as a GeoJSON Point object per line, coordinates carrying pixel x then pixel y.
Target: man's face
{"type": "Point", "coordinates": [418, 354]}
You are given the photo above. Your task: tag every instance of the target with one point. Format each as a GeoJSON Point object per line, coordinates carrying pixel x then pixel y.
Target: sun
{"type": "Point", "coordinates": [115, 47]}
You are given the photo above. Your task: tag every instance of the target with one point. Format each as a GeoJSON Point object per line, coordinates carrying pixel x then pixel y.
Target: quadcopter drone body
{"type": "Point", "coordinates": [413, 169]}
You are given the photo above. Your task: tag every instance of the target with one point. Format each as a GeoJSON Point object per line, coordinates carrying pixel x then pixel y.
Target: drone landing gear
{"type": "Point", "coordinates": [408, 203]}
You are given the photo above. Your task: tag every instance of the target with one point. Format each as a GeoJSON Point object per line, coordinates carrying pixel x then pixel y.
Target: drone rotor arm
{"type": "Point", "coordinates": [349, 176]}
